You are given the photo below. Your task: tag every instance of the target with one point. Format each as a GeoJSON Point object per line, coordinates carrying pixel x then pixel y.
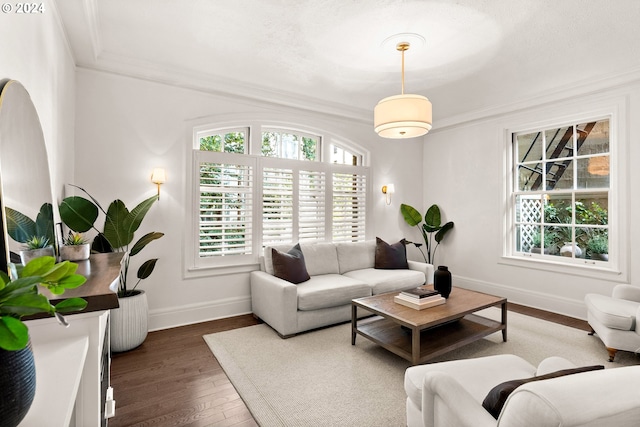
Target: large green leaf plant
{"type": "Point", "coordinates": [34, 234]}
{"type": "Point", "coordinates": [433, 231]}
{"type": "Point", "coordinates": [117, 235]}
{"type": "Point", "coordinates": [19, 297]}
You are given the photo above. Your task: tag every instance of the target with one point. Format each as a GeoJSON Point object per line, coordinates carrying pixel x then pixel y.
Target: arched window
{"type": "Point", "coordinates": [255, 186]}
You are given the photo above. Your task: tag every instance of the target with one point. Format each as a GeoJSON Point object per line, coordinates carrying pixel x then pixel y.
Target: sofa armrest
{"type": "Point", "coordinates": [552, 364]}
{"type": "Point", "coordinates": [427, 269]}
{"type": "Point", "coordinates": [606, 397]}
{"type": "Point", "coordinates": [440, 388]}
{"type": "Point", "coordinates": [275, 301]}
{"type": "Point", "coordinates": [628, 292]}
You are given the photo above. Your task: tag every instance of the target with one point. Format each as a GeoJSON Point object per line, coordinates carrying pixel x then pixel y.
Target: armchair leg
{"type": "Point", "coordinates": [612, 353]}
{"type": "Point", "coordinates": [592, 331]}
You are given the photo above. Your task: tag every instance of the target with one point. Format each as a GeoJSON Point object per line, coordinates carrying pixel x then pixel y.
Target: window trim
{"type": "Point", "coordinates": [191, 267]}
{"type": "Point", "coordinates": [615, 109]}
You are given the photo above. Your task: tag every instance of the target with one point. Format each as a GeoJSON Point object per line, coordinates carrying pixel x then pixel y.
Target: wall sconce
{"type": "Point", "coordinates": [388, 190]}
{"type": "Point", "coordinates": [158, 177]}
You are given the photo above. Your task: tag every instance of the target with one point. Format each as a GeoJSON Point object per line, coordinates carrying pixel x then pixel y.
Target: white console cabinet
{"type": "Point", "coordinates": [72, 363]}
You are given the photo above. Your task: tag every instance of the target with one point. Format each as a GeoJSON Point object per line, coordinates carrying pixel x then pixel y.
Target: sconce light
{"type": "Point", "coordinates": [158, 177]}
{"type": "Point", "coordinates": [388, 190]}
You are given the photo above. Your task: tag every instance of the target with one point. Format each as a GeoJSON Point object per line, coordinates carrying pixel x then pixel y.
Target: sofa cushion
{"type": "Point", "coordinates": [268, 256]}
{"type": "Point", "coordinates": [290, 266]}
{"type": "Point", "coordinates": [356, 256]}
{"type": "Point", "coordinates": [330, 290]}
{"type": "Point", "coordinates": [321, 258]}
{"type": "Point", "coordinates": [382, 281]}
{"type": "Point", "coordinates": [498, 395]}
{"type": "Point", "coordinates": [390, 256]}
{"type": "Point", "coordinates": [611, 312]}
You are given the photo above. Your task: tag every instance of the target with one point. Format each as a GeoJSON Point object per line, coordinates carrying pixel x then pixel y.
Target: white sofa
{"type": "Point", "coordinates": [451, 394]}
{"type": "Point", "coordinates": [339, 273]}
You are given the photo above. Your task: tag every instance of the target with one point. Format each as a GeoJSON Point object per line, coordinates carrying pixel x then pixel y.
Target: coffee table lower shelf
{"type": "Point", "coordinates": [433, 341]}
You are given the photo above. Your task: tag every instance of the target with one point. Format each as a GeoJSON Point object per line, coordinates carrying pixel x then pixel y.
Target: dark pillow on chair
{"type": "Point", "coordinates": [390, 257]}
{"type": "Point", "coordinates": [498, 395]}
{"type": "Point", "coordinates": [290, 266]}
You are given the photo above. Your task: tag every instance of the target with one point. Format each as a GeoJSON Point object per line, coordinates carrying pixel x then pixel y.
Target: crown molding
{"type": "Point", "coordinates": [205, 83]}
{"type": "Point", "coordinates": [63, 31]}
{"type": "Point", "coordinates": [91, 15]}
{"type": "Point", "coordinates": [567, 93]}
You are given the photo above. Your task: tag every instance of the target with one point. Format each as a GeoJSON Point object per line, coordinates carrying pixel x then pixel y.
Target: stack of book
{"type": "Point", "coordinates": [419, 298]}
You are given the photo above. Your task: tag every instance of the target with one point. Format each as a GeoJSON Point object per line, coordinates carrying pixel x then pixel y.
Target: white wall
{"type": "Point", "coordinates": [464, 173]}
{"type": "Point", "coordinates": [127, 126]}
{"type": "Point", "coordinates": [34, 52]}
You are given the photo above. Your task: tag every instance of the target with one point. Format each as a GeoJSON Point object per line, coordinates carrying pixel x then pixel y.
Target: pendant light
{"type": "Point", "coordinates": [404, 115]}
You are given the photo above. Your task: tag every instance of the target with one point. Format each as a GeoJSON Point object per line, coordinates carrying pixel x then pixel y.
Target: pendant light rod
{"type": "Point", "coordinates": [402, 46]}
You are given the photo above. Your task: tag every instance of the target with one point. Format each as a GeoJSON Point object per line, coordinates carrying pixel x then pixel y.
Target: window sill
{"type": "Point", "coordinates": [588, 268]}
{"type": "Point", "coordinates": [223, 270]}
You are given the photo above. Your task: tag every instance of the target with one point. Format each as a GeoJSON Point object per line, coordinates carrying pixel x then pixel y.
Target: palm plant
{"type": "Point", "coordinates": [117, 235]}
{"type": "Point", "coordinates": [34, 234]}
{"type": "Point", "coordinates": [433, 231]}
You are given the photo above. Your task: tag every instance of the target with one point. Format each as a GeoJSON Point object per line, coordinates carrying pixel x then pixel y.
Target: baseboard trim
{"type": "Point", "coordinates": [197, 313]}
{"type": "Point", "coordinates": [553, 303]}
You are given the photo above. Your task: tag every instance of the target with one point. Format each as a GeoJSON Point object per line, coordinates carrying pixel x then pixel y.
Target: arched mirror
{"type": "Point", "coordinates": [25, 188]}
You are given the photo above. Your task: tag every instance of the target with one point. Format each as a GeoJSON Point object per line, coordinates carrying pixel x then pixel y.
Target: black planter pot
{"type": "Point", "coordinates": [442, 280]}
{"type": "Point", "coordinates": [18, 385]}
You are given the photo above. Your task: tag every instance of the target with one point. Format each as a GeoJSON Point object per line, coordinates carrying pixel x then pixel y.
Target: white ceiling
{"type": "Point", "coordinates": [331, 55]}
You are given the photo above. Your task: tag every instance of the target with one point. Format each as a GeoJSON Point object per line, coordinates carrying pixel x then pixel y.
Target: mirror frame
{"type": "Point", "coordinates": [25, 183]}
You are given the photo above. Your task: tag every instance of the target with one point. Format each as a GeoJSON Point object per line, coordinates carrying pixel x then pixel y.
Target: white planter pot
{"type": "Point", "coordinates": [28, 255]}
{"type": "Point", "coordinates": [75, 252]}
{"type": "Point", "coordinates": [600, 257]}
{"type": "Point", "coordinates": [569, 248]}
{"type": "Point", "coordinates": [129, 323]}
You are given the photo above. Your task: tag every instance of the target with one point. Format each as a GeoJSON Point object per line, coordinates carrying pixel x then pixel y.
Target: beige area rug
{"type": "Point", "coordinates": [320, 379]}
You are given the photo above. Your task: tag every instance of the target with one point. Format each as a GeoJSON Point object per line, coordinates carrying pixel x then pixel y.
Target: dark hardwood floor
{"type": "Point", "coordinates": [172, 379]}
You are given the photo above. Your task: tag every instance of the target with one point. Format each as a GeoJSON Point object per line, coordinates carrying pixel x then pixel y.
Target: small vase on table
{"type": "Point", "coordinates": [442, 280]}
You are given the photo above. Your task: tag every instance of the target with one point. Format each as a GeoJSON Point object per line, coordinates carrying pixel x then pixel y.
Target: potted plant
{"type": "Point", "coordinates": [75, 247]}
{"type": "Point", "coordinates": [432, 229]}
{"type": "Point", "coordinates": [598, 246]}
{"type": "Point", "coordinates": [549, 239]}
{"type": "Point", "coordinates": [129, 321]}
{"type": "Point", "coordinates": [19, 297]}
{"type": "Point", "coordinates": [37, 235]}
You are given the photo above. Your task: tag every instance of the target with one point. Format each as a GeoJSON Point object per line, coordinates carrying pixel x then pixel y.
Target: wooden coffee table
{"type": "Point", "coordinates": [431, 332]}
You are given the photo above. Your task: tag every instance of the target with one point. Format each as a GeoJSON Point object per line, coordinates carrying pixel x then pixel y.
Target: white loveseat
{"type": "Point", "coordinates": [451, 394]}
{"type": "Point", "coordinates": [339, 273]}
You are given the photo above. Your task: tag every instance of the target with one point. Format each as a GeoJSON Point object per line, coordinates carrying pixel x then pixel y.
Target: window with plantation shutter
{"type": "Point", "coordinates": [249, 193]}
{"type": "Point", "coordinates": [293, 202]}
{"type": "Point", "coordinates": [349, 206]}
{"type": "Point", "coordinates": [277, 206]}
{"type": "Point", "coordinates": [311, 206]}
{"type": "Point", "coordinates": [226, 205]}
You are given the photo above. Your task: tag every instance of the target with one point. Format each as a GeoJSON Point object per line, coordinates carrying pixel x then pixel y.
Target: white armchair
{"type": "Point", "coordinates": [451, 394]}
{"type": "Point", "coordinates": [616, 318]}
